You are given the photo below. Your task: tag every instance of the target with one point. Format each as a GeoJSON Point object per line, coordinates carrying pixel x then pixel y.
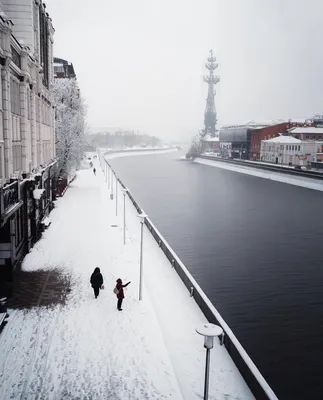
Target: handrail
{"type": "Point", "coordinates": [266, 389]}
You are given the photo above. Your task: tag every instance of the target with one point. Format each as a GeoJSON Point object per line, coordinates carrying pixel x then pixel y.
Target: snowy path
{"type": "Point", "coordinates": [87, 349]}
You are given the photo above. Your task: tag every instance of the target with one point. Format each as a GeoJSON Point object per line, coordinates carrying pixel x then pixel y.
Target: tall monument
{"type": "Point", "coordinates": [210, 113]}
{"type": "Point", "coordinates": [211, 79]}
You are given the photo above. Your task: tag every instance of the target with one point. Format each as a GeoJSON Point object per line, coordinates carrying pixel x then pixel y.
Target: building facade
{"type": "Point", "coordinates": [27, 135]}
{"type": "Point", "coordinates": [63, 69]}
{"type": "Point", "coordinates": [307, 133]}
{"type": "Point", "coordinates": [287, 150]}
{"type": "Point", "coordinates": [239, 138]}
{"type": "Point", "coordinates": [264, 133]}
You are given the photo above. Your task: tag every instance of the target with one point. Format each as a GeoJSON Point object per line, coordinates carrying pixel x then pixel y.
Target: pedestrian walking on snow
{"type": "Point", "coordinates": [118, 290]}
{"type": "Point", "coordinates": [96, 281]}
{"type": "Point", "coordinates": [94, 171]}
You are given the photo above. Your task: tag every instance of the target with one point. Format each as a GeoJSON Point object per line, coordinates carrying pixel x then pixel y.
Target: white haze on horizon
{"type": "Point", "coordinates": [140, 64]}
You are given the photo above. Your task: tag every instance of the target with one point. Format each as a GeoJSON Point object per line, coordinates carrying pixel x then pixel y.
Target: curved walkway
{"type": "Point", "coordinates": [85, 348]}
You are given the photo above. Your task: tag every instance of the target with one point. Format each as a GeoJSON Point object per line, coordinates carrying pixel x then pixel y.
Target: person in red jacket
{"type": "Point", "coordinates": [119, 292]}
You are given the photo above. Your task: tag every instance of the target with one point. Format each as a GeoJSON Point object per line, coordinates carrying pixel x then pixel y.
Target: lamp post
{"type": "Point", "coordinates": [111, 194]}
{"type": "Point", "coordinates": [142, 217]}
{"type": "Point", "coordinates": [124, 191]}
{"type": "Point", "coordinates": [108, 175]}
{"type": "Point", "coordinates": [209, 331]}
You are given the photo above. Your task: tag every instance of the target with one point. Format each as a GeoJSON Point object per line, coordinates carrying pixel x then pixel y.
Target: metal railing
{"type": "Point", "coordinates": [252, 376]}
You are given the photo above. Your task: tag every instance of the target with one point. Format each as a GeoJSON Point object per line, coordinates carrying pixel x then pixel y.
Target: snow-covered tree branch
{"type": "Point", "coordinates": [70, 124]}
{"type": "Point", "coordinates": [196, 146]}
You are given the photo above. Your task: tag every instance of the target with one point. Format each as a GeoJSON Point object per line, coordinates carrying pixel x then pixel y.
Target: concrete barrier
{"type": "Point", "coordinates": [252, 376]}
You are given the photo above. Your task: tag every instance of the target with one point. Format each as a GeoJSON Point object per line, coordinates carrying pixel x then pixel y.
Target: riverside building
{"type": "Point", "coordinates": [27, 135]}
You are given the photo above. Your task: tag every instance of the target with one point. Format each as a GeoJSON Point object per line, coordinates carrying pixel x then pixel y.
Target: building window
{"type": "Point", "coordinates": [44, 51]}
{"type": "Point", "coordinates": [15, 96]}
{"type": "Point", "coordinates": [16, 155]}
{"type": "Point", "coordinates": [15, 57]}
{"type": "Point", "coordinates": [28, 104]}
{"type": "Point", "coordinates": [35, 23]}
{"type": "Point", "coordinates": [19, 227]}
{"type": "Point", "coordinates": [37, 109]}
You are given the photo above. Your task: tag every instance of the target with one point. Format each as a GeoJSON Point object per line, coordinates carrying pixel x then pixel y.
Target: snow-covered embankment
{"type": "Point", "coordinates": [308, 183]}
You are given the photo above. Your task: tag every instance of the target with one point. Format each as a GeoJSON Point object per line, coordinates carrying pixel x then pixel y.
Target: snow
{"type": "Point", "coordinates": [299, 120]}
{"type": "Point", "coordinates": [86, 348]}
{"type": "Point", "coordinates": [37, 193]}
{"type": "Point", "coordinates": [208, 138]}
{"type": "Point", "coordinates": [262, 123]}
{"type": "Point", "coordinates": [46, 221]}
{"type": "Point", "coordinates": [308, 183]}
{"type": "Point", "coordinates": [308, 130]}
{"type": "Point", "coordinates": [282, 139]}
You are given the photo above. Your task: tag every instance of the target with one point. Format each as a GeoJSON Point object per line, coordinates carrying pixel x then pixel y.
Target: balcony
{"type": "Point", "coordinates": [9, 201]}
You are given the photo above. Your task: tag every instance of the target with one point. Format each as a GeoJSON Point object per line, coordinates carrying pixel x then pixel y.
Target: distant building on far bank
{"type": "Point", "coordinates": [245, 139]}
{"type": "Point", "coordinates": [287, 150]}
{"type": "Point", "coordinates": [307, 133]}
{"type": "Point", "coordinates": [63, 69]}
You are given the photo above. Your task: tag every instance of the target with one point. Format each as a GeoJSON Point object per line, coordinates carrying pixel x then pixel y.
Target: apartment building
{"type": "Point", "coordinates": [27, 132]}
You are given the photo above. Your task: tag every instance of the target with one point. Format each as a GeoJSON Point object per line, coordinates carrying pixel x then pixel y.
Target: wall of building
{"type": "Point", "coordinates": [265, 133]}
{"type": "Point", "coordinates": [290, 153]}
{"type": "Point", "coordinates": [26, 97]}
{"type": "Point", "coordinates": [27, 136]}
{"type": "Point", "coordinates": [21, 13]}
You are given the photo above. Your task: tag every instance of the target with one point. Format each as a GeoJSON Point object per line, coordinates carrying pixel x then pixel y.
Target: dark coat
{"type": "Point", "coordinates": [120, 287]}
{"type": "Point", "coordinates": [96, 278]}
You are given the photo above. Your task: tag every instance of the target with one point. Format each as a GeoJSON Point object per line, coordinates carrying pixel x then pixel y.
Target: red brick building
{"type": "Point", "coordinates": [265, 133]}
{"type": "Point", "coordinates": [272, 131]}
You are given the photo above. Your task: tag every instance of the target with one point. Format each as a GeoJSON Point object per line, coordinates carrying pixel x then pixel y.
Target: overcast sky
{"type": "Point", "coordinates": [140, 63]}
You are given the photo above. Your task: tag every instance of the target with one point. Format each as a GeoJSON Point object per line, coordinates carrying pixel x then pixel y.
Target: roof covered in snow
{"type": "Point", "coordinates": [309, 130]}
{"type": "Point", "coordinates": [283, 139]}
{"type": "Point", "coordinates": [299, 120]}
{"type": "Point", "coordinates": [208, 138]}
{"type": "Point", "coordinates": [263, 123]}
{"type": "Point", "coordinates": [256, 124]}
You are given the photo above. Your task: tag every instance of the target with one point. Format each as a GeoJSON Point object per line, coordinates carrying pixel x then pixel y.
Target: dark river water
{"type": "Point", "coordinates": [255, 246]}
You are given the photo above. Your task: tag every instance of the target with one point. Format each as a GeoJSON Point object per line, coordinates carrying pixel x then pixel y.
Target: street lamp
{"type": "Point", "coordinates": [109, 176]}
{"type": "Point", "coordinates": [124, 191]}
{"type": "Point", "coordinates": [142, 217]}
{"type": "Point", "coordinates": [111, 194]}
{"type": "Point", "coordinates": [209, 331]}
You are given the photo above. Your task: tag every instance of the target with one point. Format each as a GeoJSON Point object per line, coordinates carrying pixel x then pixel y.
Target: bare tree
{"type": "Point", "coordinates": [70, 124]}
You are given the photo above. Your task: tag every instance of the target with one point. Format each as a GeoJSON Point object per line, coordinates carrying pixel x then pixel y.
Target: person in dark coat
{"type": "Point", "coordinates": [94, 171]}
{"type": "Point", "coordinates": [120, 294]}
{"type": "Point", "coordinates": [96, 281]}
